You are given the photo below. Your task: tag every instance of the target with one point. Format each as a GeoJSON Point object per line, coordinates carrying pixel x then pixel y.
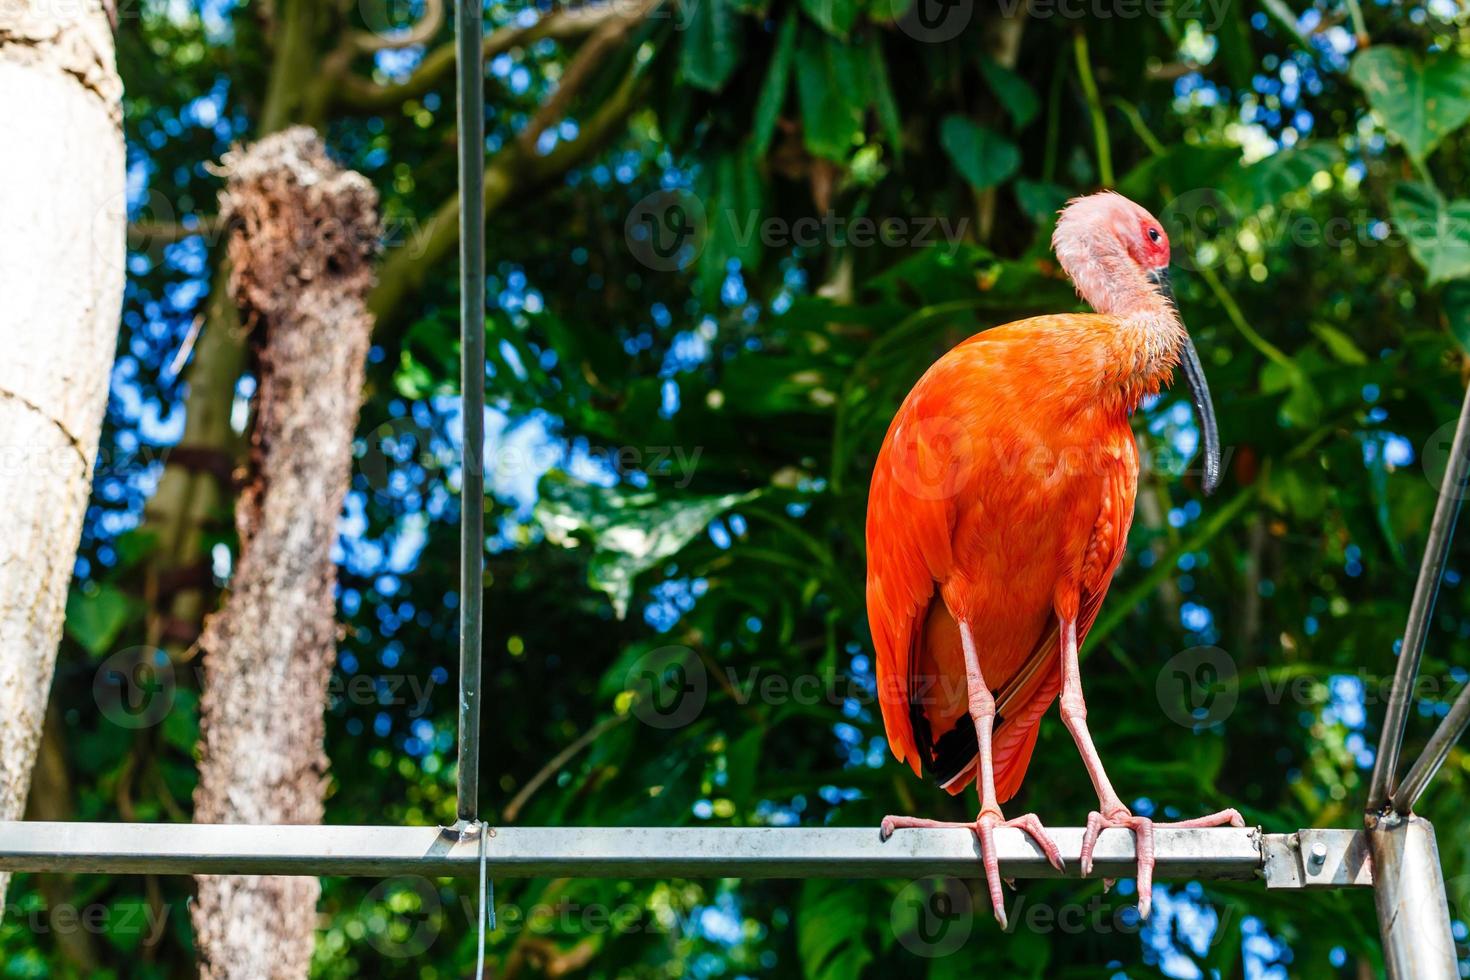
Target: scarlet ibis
{"type": "Point", "coordinates": [998, 512]}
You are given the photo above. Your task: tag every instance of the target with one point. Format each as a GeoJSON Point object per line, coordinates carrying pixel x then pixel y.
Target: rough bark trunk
{"type": "Point", "coordinates": [61, 282]}
{"type": "Point", "coordinates": [303, 234]}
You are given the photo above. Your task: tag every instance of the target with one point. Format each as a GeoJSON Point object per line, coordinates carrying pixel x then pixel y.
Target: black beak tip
{"type": "Point", "coordinates": [1211, 481]}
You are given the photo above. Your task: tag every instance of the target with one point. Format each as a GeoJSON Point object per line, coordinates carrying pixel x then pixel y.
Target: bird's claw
{"type": "Point", "coordinates": [984, 829]}
{"type": "Point", "coordinates": [1143, 831]}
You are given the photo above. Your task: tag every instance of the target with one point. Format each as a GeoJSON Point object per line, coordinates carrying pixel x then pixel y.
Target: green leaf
{"type": "Point", "coordinates": [829, 935]}
{"type": "Point", "coordinates": [629, 532]}
{"type": "Point", "coordinates": [712, 42]}
{"type": "Point", "coordinates": [95, 617]}
{"type": "Point", "coordinates": [1438, 231]}
{"type": "Point", "coordinates": [736, 203]}
{"type": "Point", "coordinates": [881, 95]}
{"type": "Point", "coordinates": [1340, 345]}
{"type": "Point", "coordinates": [773, 90]}
{"type": "Point", "coordinates": [1040, 201]}
{"type": "Point", "coordinates": [1456, 300]}
{"type": "Point", "coordinates": [982, 156]}
{"type": "Point", "coordinates": [1421, 100]}
{"type": "Point", "coordinates": [1267, 181]}
{"type": "Point", "coordinates": [835, 16]}
{"type": "Point", "coordinates": [1014, 92]}
{"type": "Point", "coordinates": [1183, 168]}
{"type": "Point", "coordinates": [831, 88]}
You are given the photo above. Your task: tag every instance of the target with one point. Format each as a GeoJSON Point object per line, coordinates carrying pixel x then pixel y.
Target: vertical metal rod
{"type": "Point", "coordinates": [470, 91]}
{"type": "Point", "coordinates": [1434, 754]}
{"type": "Point", "coordinates": [1408, 891]}
{"type": "Point", "coordinates": [1431, 571]}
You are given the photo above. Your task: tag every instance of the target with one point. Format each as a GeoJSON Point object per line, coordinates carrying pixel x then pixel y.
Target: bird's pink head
{"type": "Point", "coordinates": [1113, 250]}
{"type": "Point", "coordinates": [1117, 256]}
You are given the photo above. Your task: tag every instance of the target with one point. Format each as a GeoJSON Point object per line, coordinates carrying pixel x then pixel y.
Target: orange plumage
{"type": "Point", "coordinates": [995, 497]}
{"type": "Point", "coordinates": [998, 512]}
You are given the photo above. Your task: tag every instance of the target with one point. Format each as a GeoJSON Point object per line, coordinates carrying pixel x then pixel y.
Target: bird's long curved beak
{"type": "Point", "coordinates": [1199, 389]}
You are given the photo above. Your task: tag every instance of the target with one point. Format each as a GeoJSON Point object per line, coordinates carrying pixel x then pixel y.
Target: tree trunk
{"type": "Point", "coordinates": [303, 235]}
{"type": "Point", "coordinates": [61, 283]}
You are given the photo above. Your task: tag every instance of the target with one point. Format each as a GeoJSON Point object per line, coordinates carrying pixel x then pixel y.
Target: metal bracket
{"type": "Point", "coordinates": [1317, 858]}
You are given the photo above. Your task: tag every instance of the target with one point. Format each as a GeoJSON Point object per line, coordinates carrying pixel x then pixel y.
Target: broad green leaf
{"type": "Point", "coordinates": [95, 617]}
{"type": "Point", "coordinates": [832, 89]}
{"type": "Point", "coordinates": [711, 46]}
{"type": "Point", "coordinates": [1013, 92]}
{"type": "Point", "coordinates": [630, 532]}
{"type": "Point", "coordinates": [829, 933]}
{"type": "Point", "coordinates": [1421, 100]}
{"type": "Point", "coordinates": [773, 90]}
{"type": "Point", "coordinates": [1040, 201]}
{"type": "Point", "coordinates": [982, 156]}
{"type": "Point", "coordinates": [1456, 300]}
{"type": "Point", "coordinates": [836, 17]}
{"type": "Point", "coordinates": [1438, 231]}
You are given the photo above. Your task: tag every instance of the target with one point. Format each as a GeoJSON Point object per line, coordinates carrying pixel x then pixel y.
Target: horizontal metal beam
{"type": "Point", "coordinates": [1317, 858]}
{"type": "Point", "coordinates": [617, 852]}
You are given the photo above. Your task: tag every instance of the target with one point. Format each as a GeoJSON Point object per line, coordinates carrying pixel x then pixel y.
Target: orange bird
{"type": "Point", "coordinates": [999, 509]}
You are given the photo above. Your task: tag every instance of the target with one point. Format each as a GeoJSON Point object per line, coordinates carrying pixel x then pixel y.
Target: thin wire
{"type": "Point", "coordinates": [469, 29]}
{"type": "Point", "coordinates": [487, 904]}
{"type": "Point", "coordinates": [1431, 571]}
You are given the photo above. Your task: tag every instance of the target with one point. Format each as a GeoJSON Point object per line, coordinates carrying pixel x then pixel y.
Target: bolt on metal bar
{"type": "Point", "coordinates": [1435, 752]}
{"type": "Point", "coordinates": [1413, 915]}
{"type": "Point", "coordinates": [1227, 853]}
{"type": "Point", "coordinates": [1431, 571]}
{"type": "Point", "coordinates": [470, 97]}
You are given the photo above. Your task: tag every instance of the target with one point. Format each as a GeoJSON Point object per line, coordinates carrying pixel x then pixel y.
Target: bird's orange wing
{"type": "Point", "coordinates": [910, 518]}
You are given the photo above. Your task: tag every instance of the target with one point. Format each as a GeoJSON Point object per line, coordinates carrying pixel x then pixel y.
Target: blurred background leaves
{"type": "Point", "coordinates": [702, 432]}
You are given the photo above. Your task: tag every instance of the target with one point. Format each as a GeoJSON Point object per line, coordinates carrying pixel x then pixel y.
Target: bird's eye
{"type": "Point", "coordinates": [1153, 233]}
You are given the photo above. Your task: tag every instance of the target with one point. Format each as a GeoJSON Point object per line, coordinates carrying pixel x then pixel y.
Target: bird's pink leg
{"type": "Point", "coordinates": [982, 712]}
{"type": "Point", "coordinates": [1110, 810]}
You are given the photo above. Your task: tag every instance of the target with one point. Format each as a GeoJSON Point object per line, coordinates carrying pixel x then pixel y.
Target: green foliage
{"type": "Point", "coordinates": [1334, 350]}
{"type": "Point", "coordinates": [1422, 99]}
{"type": "Point", "coordinates": [1438, 230]}
{"type": "Point", "coordinates": [984, 157]}
{"type": "Point", "coordinates": [629, 533]}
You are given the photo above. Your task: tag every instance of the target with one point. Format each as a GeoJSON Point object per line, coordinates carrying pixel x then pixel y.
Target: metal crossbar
{"type": "Point", "coordinates": [1308, 859]}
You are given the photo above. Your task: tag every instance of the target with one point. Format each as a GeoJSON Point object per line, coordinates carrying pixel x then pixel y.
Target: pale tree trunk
{"type": "Point", "coordinates": [62, 258]}
{"type": "Point", "coordinates": [303, 235]}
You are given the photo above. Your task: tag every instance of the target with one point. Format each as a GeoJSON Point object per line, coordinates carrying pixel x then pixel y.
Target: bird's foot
{"type": "Point", "coordinates": [984, 829]}
{"type": "Point", "coordinates": [1143, 832]}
